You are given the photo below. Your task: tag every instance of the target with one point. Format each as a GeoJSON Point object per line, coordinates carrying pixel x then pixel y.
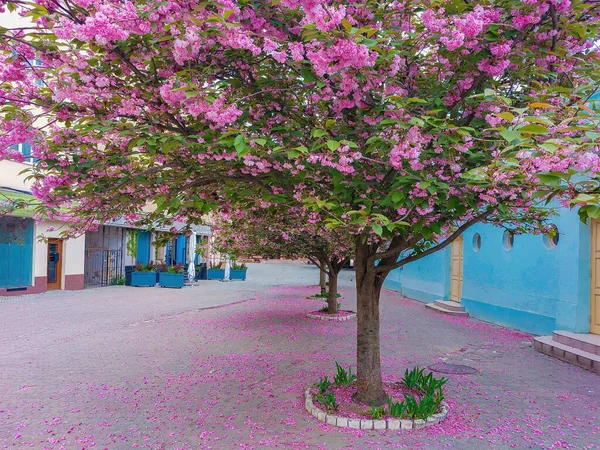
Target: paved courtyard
{"type": "Point", "coordinates": [222, 366]}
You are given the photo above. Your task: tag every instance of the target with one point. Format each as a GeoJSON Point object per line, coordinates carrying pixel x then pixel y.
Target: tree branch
{"type": "Point", "coordinates": [438, 247]}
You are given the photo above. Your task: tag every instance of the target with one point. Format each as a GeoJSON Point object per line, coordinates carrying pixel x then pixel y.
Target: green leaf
{"type": "Point", "coordinates": [506, 116]}
{"type": "Point", "coordinates": [333, 145]}
{"type": "Point", "coordinates": [240, 144]}
{"type": "Point", "coordinates": [317, 132]}
{"type": "Point", "coordinates": [260, 142]}
{"type": "Point", "coordinates": [346, 24]}
{"type": "Point", "coordinates": [415, 100]}
{"type": "Point", "coordinates": [534, 129]}
{"type": "Point", "coordinates": [170, 145]}
{"type": "Point", "coordinates": [584, 198]}
{"type": "Point", "coordinates": [552, 180]}
{"type": "Point", "coordinates": [377, 229]}
{"type": "Point", "coordinates": [510, 135]}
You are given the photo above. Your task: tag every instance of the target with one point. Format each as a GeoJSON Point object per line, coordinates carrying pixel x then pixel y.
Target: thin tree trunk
{"type": "Point", "coordinates": [332, 295]}
{"type": "Point", "coordinates": [323, 280]}
{"type": "Point", "coordinates": [368, 359]}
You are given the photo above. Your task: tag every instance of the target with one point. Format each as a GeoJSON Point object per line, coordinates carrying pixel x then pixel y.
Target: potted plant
{"type": "Point", "coordinates": [144, 275]}
{"type": "Point", "coordinates": [238, 272]}
{"type": "Point", "coordinates": [171, 276]}
{"type": "Point", "coordinates": [216, 272]}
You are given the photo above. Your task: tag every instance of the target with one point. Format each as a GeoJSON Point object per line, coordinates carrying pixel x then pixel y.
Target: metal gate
{"type": "Point", "coordinates": [103, 267]}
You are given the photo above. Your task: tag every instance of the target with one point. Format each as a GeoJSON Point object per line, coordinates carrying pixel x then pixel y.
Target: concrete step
{"type": "Point", "coordinates": [587, 342]}
{"type": "Point", "coordinates": [572, 355]}
{"type": "Point", "coordinates": [452, 306]}
{"type": "Point", "coordinates": [444, 310]}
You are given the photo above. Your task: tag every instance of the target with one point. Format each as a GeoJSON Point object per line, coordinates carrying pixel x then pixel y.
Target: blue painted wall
{"type": "Point", "coordinates": [529, 287]}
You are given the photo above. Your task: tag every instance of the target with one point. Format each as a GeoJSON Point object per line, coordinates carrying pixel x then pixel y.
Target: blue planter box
{"type": "Point", "coordinates": [147, 279]}
{"type": "Point", "coordinates": [238, 274]}
{"type": "Point", "coordinates": [171, 280]}
{"type": "Point", "coordinates": [215, 274]}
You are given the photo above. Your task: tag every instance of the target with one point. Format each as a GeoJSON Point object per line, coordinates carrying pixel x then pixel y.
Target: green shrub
{"type": "Point", "coordinates": [395, 409]}
{"type": "Point", "coordinates": [376, 412]}
{"type": "Point", "coordinates": [343, 378]}
{"type": "Point", "coordinates": [430, 397]}
{"type": "Point", "coordinates": [325, 308]}
{"type": "Point", "coordinates": [323, 384]}
{"type": "Point", "coordinates": [327, 400]}
{"type": "Point", "coordinates": [413, 379]}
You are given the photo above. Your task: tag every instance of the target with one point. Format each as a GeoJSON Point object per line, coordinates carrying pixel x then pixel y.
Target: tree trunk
{"type": "Point", "coordinates": [323, 280]}
{"type": "Point", "coordinates": [332, 299]}
{"type": "Point", "coordinates": [368, 358]}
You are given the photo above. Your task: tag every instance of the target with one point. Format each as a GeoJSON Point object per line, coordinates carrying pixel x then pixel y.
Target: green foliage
{"type": "Point", "coordinates": [327, 400]}
{"type": "Point", "coordinates": [118, 280]}
{"type": "Point", "coordinates": [236, 266]}
{"type": "Point", "coordinates": [395, 409]}
{"type": "Point", "coordinates": [323, 384]}
{"type": "Point", "coordinates": [150, 267]}
{"type": "Point", "coordinates": [343, 378]}
{"type": "Point", "coordinates": [376, 412]}
{"type": "Point", "coordinates": [132, 243]}
{"type": "Point", "coordinates": [413, 379]}
{"type": "Point", "coordinates": [428, 383]}
{"type": "Point", "coordinates": [326, 295]}
{"type": "Point", "coordinates": [421, 408]}
{"type": "Point", "coordinates": [176, 268]}
{"type": "Point", "coordinates": [427, 401]}
{"type": "Point", "coordinates": [326, 308]}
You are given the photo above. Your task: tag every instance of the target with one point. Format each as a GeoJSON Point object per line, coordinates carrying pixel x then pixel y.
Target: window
{"type": "Point", "coordinates": [37, 63]}
{"type": "Point", "coordinates": [25, 149]}
{"type": "Point", "coordinates": [476, 242]}
{"type": "Point", "coordinates": [551, 238]}
{"type": "Point", "coordinates": [508, 240]}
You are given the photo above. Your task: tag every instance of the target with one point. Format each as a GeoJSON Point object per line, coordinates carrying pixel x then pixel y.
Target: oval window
{"type": "Point", "coordinates": [551, 238]}
{"type": "Point", "coordinates": [508, 240]}
{"type": "Point", "coordinates": [476, 242]}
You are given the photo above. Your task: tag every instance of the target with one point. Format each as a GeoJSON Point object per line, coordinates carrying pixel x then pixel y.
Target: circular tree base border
{"type": "Point", "coordinates": [314, 315]}
{"type": "Point", "coordinates": [372, 424]}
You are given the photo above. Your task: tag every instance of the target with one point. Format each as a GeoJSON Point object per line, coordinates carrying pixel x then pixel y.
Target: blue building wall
{"type": "Point", "coordinates": [530, 287]}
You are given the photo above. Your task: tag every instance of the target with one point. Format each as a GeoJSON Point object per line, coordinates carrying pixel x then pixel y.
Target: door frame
{"type": "Point", "coordinates": [594, 248]}
{"type": "Point", "coordinates": [457, 243]}
{"type": "Point", "coordinates": [59, 272]}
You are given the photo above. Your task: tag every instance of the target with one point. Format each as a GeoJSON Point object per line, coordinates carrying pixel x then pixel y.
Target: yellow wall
{"type": "Point", "coordinates": [10, 178]}
{"type": "Point", "coordinates": [73, 257]}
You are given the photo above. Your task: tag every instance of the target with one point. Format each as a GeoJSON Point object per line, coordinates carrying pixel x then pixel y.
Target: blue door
{"type": "Point", "coordinates": [143, 247]}
{"type": "Point", "coordinates": [180, 250]}
{"type": "Point", "coordinates": [16, 252]}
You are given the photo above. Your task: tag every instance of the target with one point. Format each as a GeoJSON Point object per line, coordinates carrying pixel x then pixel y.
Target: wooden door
{"type": "Point", "coordinates": [595, 278]}
{"type": "Point", "coordinates": [456, 270]}
{"type": "Point", "coordinates": [54, 263]}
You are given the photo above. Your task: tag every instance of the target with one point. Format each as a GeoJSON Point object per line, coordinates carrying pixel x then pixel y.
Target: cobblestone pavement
{"type": "Point", "coordinates": [223, 366]}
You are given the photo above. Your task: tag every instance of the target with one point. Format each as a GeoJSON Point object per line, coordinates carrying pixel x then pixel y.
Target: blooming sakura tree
{"type": "Point", "coordinates": [402, 123]}
{"type": "Point", "coordinates": [292, 233]}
